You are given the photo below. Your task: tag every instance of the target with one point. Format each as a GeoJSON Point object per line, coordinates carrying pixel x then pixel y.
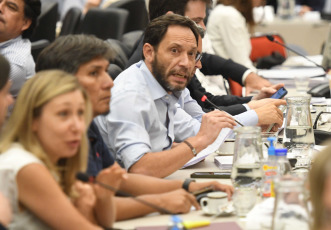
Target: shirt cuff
{"type": "Point", "coordinates": [248, 118]}
{"type": "Point", "coordinates": [247, 107]}
{"type": "Point", "coordinates": [247, 72]}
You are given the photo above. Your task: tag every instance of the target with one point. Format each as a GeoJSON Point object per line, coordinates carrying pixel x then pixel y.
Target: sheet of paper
{"type": "Point", "coordinates": [301, 61]}
{"type": "Point", "coordinates": [224, 134]}
{"type": "Point", "coordinates": [291, 73]}
{"type": "Point", "coordinates": [224, 162]}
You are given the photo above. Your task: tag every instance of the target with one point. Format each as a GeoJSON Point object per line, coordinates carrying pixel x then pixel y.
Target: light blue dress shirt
{"type": "Point", "coordinates": [18, 52]}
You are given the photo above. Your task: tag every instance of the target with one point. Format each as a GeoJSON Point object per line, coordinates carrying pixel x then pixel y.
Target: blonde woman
{"type": "Point", "coordinates": [229, 26]}
{"type": "Point", "coordinates": [42, 148]}
{"type": "Point", "coordinates": [320, 190]}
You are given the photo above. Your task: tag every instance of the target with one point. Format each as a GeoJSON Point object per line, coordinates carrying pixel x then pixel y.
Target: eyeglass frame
{"type": "Point", "coordinates": [198, 57]}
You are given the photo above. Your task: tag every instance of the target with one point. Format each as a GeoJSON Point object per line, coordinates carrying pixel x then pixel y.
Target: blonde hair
{"type": "Point", "coordinates": [319, 173]}
{"type": "Point", "coordinates": [34, 95]}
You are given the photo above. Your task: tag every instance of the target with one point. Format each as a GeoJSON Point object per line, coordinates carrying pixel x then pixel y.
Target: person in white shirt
{"type": "Point", "coordinates": [228, 31]}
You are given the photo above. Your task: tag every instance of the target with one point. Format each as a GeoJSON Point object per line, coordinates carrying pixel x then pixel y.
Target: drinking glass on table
{"type": "Point", "coordinates": [290, 210]}
{"type": "Point", "coordinates": [298, 133]}
{"type": "Point", "coordinates": [246, 172]}
{"type": "Point", "coordinates": [301, 84]}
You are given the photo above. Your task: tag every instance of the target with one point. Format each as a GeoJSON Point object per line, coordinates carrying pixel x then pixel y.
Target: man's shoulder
{"type": "Point", "coordinates": [17, 50]}
{"type": "Point", "coordinates": [131, 79]}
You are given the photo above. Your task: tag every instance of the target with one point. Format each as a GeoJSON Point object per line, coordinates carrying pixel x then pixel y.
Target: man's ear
{"type": "Point", "coordinates": [27, 24]}
{"type": "Point", "coordinates": [170, 12]}
{"type": "Point", "coordinates": [149, 52]}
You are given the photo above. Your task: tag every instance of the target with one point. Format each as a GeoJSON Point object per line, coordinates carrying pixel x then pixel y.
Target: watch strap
{"type": "Point", "coordinates": [187, 183]}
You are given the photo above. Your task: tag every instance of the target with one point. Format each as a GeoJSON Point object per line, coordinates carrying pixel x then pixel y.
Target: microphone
{"type": "Point", "coordinates": [204, 98]}
{"type": "Point", "coordinates": [86, 178]}
{"type": "Point", "coordinates": [272, 39]}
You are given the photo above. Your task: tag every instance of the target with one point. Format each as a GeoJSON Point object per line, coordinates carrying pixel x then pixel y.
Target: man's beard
{"type": "Point", "coordinates": [159, 72]}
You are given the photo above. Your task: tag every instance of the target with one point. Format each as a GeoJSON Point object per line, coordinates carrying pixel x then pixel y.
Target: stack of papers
{"type": "Point", "coordinates": [224, 134]}
{"type": "Point", "coordinates": [291, 73]}
{"type": "Point", "coordinates": [224, 162]}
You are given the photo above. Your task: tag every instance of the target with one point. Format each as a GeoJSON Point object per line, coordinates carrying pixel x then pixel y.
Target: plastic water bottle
{"type": "Point", "coordinates": [269, 171]}
{"type": "Point", "coordinates": [283, 165]}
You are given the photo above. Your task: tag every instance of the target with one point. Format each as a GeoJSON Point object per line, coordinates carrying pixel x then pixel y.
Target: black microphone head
{"type": "Point", "coordinates": [198, 93]}
{"type": "Point", "coordinates": [270, 38]}
{"type": "Point", "coordinates": [82, 177]}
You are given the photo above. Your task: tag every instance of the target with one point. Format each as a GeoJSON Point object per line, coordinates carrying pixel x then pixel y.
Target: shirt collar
{"type": "Point", "coordinates": [7, 43]}
{"type": "Point", "coordinates": [156, 90]}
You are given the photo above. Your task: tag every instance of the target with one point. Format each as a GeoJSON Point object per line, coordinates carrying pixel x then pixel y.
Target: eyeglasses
{"type": "Point", "coordinates": [198, 57]}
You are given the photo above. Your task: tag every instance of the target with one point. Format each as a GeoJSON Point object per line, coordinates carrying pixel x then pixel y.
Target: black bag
{"type": "Point", "coordinates": [269, 61]}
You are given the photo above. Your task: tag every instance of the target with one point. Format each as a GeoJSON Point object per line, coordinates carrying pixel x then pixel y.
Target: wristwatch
{"type": "Point", "coordinates": [187, 183]}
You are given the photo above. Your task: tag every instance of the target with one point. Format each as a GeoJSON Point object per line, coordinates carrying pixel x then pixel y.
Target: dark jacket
{"type": "Point", "coordinates": [99, 156]}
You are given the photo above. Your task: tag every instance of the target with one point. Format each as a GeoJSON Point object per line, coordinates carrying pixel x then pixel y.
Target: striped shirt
{"type": "Point", "coordinates": [22, 66]}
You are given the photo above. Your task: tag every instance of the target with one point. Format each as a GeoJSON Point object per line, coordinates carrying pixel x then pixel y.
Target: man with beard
{"type": "Point", "coordinates": [144, 103]}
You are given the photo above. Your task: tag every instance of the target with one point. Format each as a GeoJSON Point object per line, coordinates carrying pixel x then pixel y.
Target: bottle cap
{"type": "Point", "coordinates": [281, 152]}
{"type": "Point", "coordinates": [271, 149]}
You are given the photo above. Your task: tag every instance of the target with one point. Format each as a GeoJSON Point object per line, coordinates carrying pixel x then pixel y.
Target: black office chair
{"type": "Point", "coordinates": [37, 47]}
{"type": "Point", "coordinates": [120, 51]}
{"type": "Point", "coordinates": [46, 23]}
{"type": "Point", "coordinates": [105, 23]}
{"type": "Point", "coordinates": [71, 22]}
{"type": "Point", "coordinates": [138, 17]}
{"type": "Point", "coordinates": [114, 70]}
{"type": "Point", "coordinates": [130, 40]}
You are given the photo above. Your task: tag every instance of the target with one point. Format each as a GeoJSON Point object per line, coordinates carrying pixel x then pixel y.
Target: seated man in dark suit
{"type": "Point", "coordinates": [211, 64]}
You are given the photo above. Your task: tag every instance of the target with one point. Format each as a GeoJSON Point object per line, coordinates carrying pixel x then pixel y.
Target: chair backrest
{"type": "Point", "coordinates": [130, 40]}
{"type": "Point", "coordinates": [71, 21]}
{"type": "Point", "coordinates": [46, 23]}
{"type": "Point", "coordinates": [120, 51]}
{"type": "Point", "coordinates": [37, 47]}
{"type": "Point", "coordinates": [138, 16]}
{"type": "Point", "coordinates": [105, 23]}
{"type": "Point", "coordinates": [262, 47]}
{"type": "Point", "coordinates": [235, 88]}
{"type": "Point", "coordinates": [114, 70]}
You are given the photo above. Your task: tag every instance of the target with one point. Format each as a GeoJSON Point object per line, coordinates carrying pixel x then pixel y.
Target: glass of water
{"type": "Point", "coordinates": [244, 199]}
{"type": "Point", "coordinates": [301, 84]}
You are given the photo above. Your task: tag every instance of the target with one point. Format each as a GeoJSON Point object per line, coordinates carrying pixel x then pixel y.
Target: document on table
{"type": "Point", "coordinates": [291, 73]}
{"type": "Point", "coordinates": [224, 134]}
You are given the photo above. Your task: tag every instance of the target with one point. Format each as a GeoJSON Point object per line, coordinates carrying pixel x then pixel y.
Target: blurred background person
{"type": "Point", "coordinates": [229, 26]}
{"type": "Point", "coordinates": [320, 190]}
{"type": "Point", "coordinates": [310, 5]}
{"type": "Point", "coordinates": [5, 100]}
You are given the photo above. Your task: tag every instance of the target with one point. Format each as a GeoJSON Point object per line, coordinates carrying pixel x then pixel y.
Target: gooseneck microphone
{"type": "Point", "coordinates": [272, 39]}
{"type": "Point", "coordinates": [204, 98]}
{"type": "Point", "coordinates": [86, 178]}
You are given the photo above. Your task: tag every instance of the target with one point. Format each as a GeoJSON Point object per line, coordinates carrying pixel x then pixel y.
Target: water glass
{"type": "Point", "coordinates": [244, 199]}
{"type": "Point", "coordinates": [301, 84]}
{"type": "Point", "coordinates": [286, 9]}
{"type": "Point", "coordinates": [290, 210]}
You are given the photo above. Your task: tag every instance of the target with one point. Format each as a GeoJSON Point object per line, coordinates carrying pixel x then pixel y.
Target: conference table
{"type": "Point", "coordinates": [157, 220]}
